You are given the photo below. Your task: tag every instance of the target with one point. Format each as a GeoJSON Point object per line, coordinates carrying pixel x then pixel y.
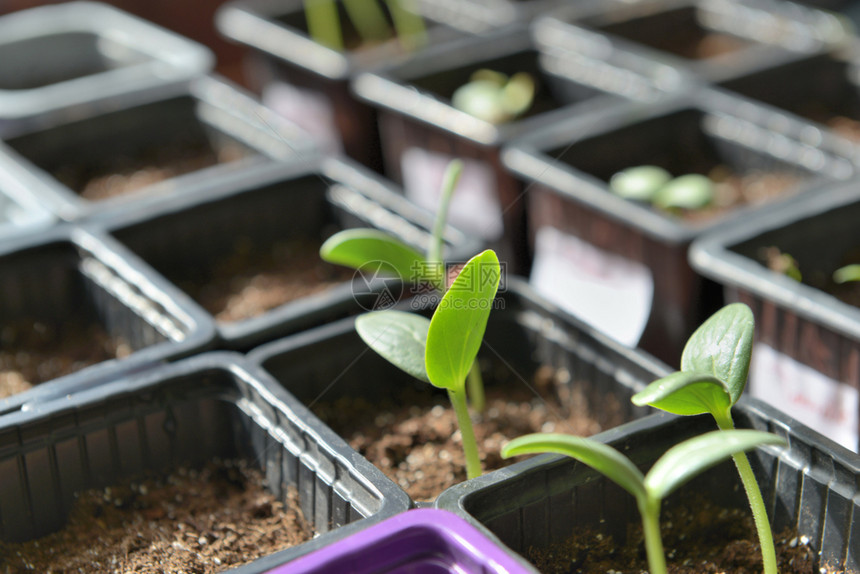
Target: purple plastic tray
{"type": "Point", "coordinates": [423, 541]}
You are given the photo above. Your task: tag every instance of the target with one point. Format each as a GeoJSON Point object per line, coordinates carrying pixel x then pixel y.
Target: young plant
{"type": "Point", "coordinates": [847, 273]}
{"type": "Point", "coordinates": [495, 98]}
{"type": "Point", "coordinates": [780, 262]}
{"type": "Point", "coordinates": [356, 247]}
{"type": "Point", "coordinates": [655, 185]}
{"type": "Point", "coordinates": [442, 350]}
{"type": "Point", "coordinates": [677, 465]}
{"type": "Point", "coordinates": [714, 367]}
{"type": "Point", "coordinates": [369, 20]}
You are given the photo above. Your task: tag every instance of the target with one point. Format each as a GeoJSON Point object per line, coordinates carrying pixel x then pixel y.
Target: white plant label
{"type": "Point", "coordinates": [310, 110]}
{"type": "Point", "coordinates": [607, 291]}
{"type": "Point", "coordinates": [475, 207]}
{"type": "Point", "coordinates": [827, 406]}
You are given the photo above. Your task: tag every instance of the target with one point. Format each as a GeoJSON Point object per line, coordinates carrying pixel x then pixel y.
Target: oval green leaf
{"type": "Point", "coordinates": [458, 324]}
{"type": "Point", "coordinates": [400, 337]}
{"type": "Point", "coordinates": [722, 347]}
{"type": "Point", "coordinates": [357, 247]}
{"type": "Point", "coordinates": [686, 393]}
{"type": "Point", "coordinates": [639, 183]}
{"type": "Point", "coordinates": [691, 191]}
{"type": "Point", "coordinates": [847, 273]}
{"type": "Point", "coordinates": [601, 457]}
{"type": "Point", "coordinates": [683, 461]}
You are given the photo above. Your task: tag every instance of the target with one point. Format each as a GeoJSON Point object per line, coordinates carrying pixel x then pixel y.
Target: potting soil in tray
{"type": "Point", "coordinates": [32, 352]}
{"type": "Point", "coordinates": [698, 537]}
{"type": "Point", "coordinates": [127, 173]}
{"type": "Point", "coordinates": [415, 439]}
{"type": "Point", "coordinates": [198, 521]}
{"type": "Point", "coordinates": [849, 292]}
{"type": "Point", "coordinates": [249, 281]}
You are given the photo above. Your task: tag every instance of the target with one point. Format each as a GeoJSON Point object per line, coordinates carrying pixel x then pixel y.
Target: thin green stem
{"type": "Point", "coordinates": [449, 183]}
{"type": "Point", "coordinates": [324, 23]}
{"type": "Point", "coordinates": [756, 501]}
{"type": "Point", "coordinates": [368, 18]}
{"type": "Point", "coordinates": [475, 388]}
{"type": "Point", "coordinates": [467, 433]}
{"type": "Point", "coordinates": [650, 511]}
{"type": "Point", "coordinates": [408, 24]}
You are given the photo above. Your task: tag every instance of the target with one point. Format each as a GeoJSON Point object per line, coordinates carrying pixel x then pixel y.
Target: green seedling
{"type": "Point", "coordinates": [357, 247]}
{"type": "Point", "coordinates": [847, 274]}
{"type": "Point", "coordinates": [442, 350]}
{"type": "Point", "coordinates": [655, 185]}
{"type": "Point", "coordinates": [495, 98]}
{"type": "Point", "coordinates": [782, 263]}
{"type": "Point", "coordinates": [677, 465]}
{"type": "Point", "coordinates": [714, 367]}
{"type": "Point", "coordinates": [369, 20]}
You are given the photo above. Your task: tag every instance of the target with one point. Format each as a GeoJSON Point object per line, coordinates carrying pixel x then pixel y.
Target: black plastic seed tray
{"type": "Point", "coordinates": [811, 486]}
{"type": "Point", "coordinates": [288, 206]}
{"type": "Point", "coordinates": [571, 163]}
{"type": "Point", "coordinates": [212, 406]}
{"type": "Point", "coordinates": [67, 287]}
{"type": "Point", "coordinates": [150, 144]}
{"type": "Point", "coordinates": [524, 332]}
{"type": "Point", "coordinates": [57, 60]}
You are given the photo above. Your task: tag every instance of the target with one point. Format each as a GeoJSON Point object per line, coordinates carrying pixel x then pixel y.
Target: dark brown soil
{"type": "Point", "coordinates": [125, 174]}
{"type": "Point", "coordinates": [698, 538]}
{"type": "Point", "coordinates": [248, 281]}
{"type": "Point", "coordinates": [732, 191]}
{"type": "Point", "coordinates": [419, 445]}
{"type": "Point", "coordinates": [32, 352]}
{"type": "Point", "coordinates": [192, 521]}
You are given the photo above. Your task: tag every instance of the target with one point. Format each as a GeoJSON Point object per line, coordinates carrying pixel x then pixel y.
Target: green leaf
{"type": "Point", "coordinates": [400, 337]}
{"type": "Point", "coordinates": [357, 247]}
{"type": "Point", "coordinates": [686, 393]}
{"type": "Point", "coordinates": [683, 461]}
{"type": "Point", "coordinates": [601, 457]}
{"type": "Point", "coordinates": [722, 346]}
{"type": "Point", "coordinates": [691, 191]}
{"type": "Point", "coordinates": [458, 325]}
{"type": "Point", "coordinates": [847, 273]}
{"type": "Point", "coordinates": [640, 182]}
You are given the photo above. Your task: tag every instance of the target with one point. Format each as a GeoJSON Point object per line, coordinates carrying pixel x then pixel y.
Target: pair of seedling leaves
{"type": "Point", "coordinates": [714, 367]}
{"type": "Point", "coordinates": [441, 350]}
{"type": "Point", "coordinates": [655, 185]}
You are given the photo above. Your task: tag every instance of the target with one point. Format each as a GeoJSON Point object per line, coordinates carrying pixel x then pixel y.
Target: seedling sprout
{"type": "Point", "coordinates": [442, 350]}
{"type": "Point", "coordinates": [714, 367]}
{"type": "Point", "coordinates": [655, 185]}
{"type": "Point", "coordinates": [847, 274]}
{"type": "Point", "coordinates": [494, 97]}
{"type": "Point", "coordinates": [356, 247]}
{"type": "Point", "coordinates": [677, 465]}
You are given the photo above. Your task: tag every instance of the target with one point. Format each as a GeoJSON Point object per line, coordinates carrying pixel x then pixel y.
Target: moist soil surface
{"type": "Point", "coordinates": [33, 352]}
{"type": "Point", "coordinates": [125, 174]}
{"type": "Point", "coordinates": [415, 441]}
{"type": "Point", "coordinates": [249, 281]}
{"type": "Point", "coordinates": [732, 190]}
{"type": "Point", "coordinates": [698, 537]}
{"type": "Point", "coordinates": [192, 521]}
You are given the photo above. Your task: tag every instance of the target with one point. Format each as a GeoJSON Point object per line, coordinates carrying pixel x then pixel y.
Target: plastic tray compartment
{"type": "Point", "coordinates": [187, 413]}
{"type": "Point", "coordinates": [811, 486]}
{"type": "Point", "coordinates": [54, 57]}
{"type": "Point", "coordinates": [571, 163]}
{"type": "Point", "coordinates": [69, 280]}
{"type": "Point", "coordinates": [151, 144]}
{"type": "Point", "coordinates": [523, 333]}
{"type": "Point", "coordinates": [822, 88]}
{"type": "Point", "coordinates": [421, 131]}
{"type": "Point", "coordinates": [422, 540]}
{"type": "Point", "coordinates": [713, 40]}
{"type": "Point", "coordinates": [309, 83]}
{"type": "Point", "coordinates": [800, 329]}
{"type": "Point", "coordinates": [189, 238]}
